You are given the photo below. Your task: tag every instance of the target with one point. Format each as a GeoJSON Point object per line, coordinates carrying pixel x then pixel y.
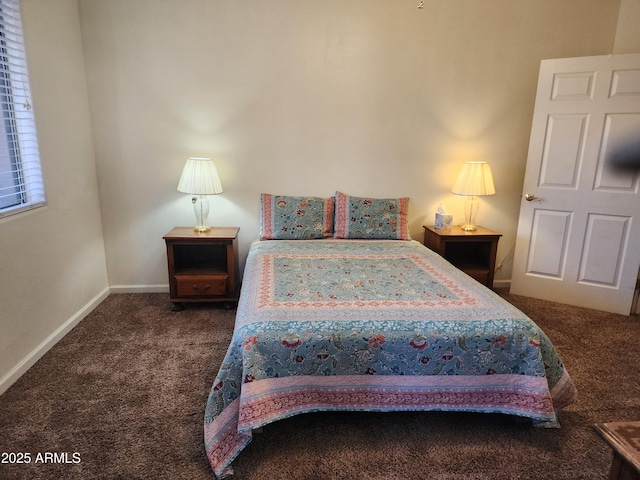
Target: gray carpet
{"type": "Point", "coordinates": [126, 389]}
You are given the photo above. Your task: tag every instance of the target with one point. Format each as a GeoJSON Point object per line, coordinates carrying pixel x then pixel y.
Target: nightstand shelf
{"type": "Point", "coordinates": [203, 267]}
{"type": "Point", "coordinates": [472, 252]}
{"type": "Point", "coordinates": [190, 259]}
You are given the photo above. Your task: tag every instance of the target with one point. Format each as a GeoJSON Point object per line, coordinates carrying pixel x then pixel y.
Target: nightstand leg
{"type": "Point", "coordinates": [177, 307]}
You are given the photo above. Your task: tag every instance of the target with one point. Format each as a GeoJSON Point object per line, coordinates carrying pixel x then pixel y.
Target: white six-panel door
{"type": "Point", "coordinates": [578, 238]}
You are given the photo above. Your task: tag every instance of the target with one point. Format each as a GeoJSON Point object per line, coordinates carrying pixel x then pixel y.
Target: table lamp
{"type": "Point", "coordinates": [474, 180]}
{"type": "Point", "coordinates": [200, 178]}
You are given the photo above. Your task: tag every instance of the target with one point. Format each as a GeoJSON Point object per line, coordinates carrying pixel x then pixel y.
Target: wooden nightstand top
{"type": "Point", "coordinates": [456, 231]}
{"type": "Point", "coordinates": [221, 233]}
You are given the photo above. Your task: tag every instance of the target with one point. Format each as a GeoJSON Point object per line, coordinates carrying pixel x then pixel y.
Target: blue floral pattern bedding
{"type": "Point", "coordinates": [378, 326]}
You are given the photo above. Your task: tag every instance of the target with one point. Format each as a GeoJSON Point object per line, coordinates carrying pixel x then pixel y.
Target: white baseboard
{"type": "Point", "coordinates": [502, 284]}
{"type": "Point", "coordinates": [140, 288]}
{"type": "Point", "coordinates": [16, 372]}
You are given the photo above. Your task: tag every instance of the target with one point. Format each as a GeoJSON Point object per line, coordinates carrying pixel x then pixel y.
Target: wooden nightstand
{"type": "Point", "coordinates": [203, 267]}
{"type": "Point", "coordinates": [472, 252]}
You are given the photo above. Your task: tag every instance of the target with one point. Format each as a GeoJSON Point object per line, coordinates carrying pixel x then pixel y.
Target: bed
{"type": "Point", "coordinates": [341, 321]}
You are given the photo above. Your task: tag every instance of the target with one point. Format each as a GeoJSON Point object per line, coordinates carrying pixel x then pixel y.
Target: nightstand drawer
{"type": "Point", "coordinates": [202, 285]}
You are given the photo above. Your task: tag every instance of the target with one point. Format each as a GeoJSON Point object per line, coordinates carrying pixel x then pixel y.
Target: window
{"type": "Point", "coordinates": [21, 185]}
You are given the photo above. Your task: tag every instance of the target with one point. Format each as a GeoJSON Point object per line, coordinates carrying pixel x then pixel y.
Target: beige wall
{"type": "Point", "coordinates": [52, 261]}
{"type": "Point", "coordinates": [306, 97]}
{"type": "Point", "coordinates": [628, 31]}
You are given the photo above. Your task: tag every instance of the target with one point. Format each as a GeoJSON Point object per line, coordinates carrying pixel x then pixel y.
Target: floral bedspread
{"type": "Point", "coordinates": [377, 326]}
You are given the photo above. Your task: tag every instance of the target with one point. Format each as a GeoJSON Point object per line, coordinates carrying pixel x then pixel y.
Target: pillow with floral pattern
{"type": "Point", "coordinates": [285, 217]}
{"type": "Point", "coordinates": [371, 218]}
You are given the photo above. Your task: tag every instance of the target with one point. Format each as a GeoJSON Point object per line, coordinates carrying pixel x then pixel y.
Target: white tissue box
{"type": "Point", "coordinates": [443, 221]}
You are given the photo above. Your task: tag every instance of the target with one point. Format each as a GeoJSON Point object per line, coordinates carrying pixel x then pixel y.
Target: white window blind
{"type": "Point", "coordinates": [21, 184]}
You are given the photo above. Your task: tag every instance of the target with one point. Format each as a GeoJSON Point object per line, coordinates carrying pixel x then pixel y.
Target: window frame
{"type": "Point", "coordinates": [21, 182]}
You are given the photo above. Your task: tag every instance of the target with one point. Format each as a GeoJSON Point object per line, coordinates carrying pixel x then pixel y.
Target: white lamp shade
{"type": "Point", "coordinates": [475, 179]}
{"type": "Point", "coordinates": [200, 177]}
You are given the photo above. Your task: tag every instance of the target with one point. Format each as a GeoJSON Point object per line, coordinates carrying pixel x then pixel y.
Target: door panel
{"type": "Point", "coordinates": [577, 241]}
{"type": "Point", "coordinates": [625, 82]}
{"type": "Point", "coordinates": [549, 237]}
{"type": "Point", "coordinates": [617, 129]}
{"type": "Point", "coordinates": [605, 242]}
{"type": "Point", "coordinates": [563, 148]}
{"type": "Point", "coordinates": [572, 86]}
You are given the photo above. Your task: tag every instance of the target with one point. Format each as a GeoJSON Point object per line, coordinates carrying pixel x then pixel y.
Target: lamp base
{"type": "Point", "coordinates": [201, 209]}
{"type": "Point", "coordinates": [470, 211]}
